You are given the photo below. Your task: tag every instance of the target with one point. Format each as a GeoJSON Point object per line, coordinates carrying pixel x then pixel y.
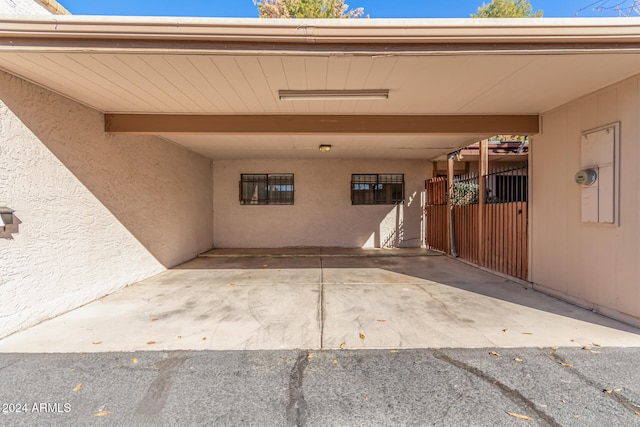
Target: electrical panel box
{"type": "Point", "coordinates": [599, 162]}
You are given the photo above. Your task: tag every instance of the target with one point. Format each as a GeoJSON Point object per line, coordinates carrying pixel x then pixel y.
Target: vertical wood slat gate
{"type": "Point", "coordinates": [505, 240]}
{"type": "Point", "coordinates": [436, 215]}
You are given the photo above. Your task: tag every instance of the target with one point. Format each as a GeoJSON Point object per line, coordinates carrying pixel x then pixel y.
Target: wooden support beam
{"type": "Point", "coordinates": [322, 124]}
{"type": "Point", "coordinates": [449, 221]}
{"type": "Point", "coordinates": [482, 199]}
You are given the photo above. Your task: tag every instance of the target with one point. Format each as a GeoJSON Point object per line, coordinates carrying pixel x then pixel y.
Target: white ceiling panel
{"type": "Point", "coordinates": [244, 84]}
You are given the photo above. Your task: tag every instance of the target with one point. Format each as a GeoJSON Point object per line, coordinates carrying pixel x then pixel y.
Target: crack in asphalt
{"type": "Point", "coordinates": [628, 404]}
{"type": "Point", "coordinates": [10, 364]}
{"type": "Point", "coordinates": [296, 414]}
{"type": "Point", "coordinates": [514, 395]}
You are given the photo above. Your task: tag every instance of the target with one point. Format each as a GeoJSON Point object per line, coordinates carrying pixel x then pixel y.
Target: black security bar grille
{"type": "Point", "coordinates": [507, 184]}
{"type": "Point", "coordinates": [377, 189]}
{"type": "Point", "coordinates": [266, 189]}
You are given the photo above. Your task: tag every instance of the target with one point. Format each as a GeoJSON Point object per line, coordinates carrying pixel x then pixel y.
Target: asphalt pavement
{"type": "Point", "coordinates": [590, 386]}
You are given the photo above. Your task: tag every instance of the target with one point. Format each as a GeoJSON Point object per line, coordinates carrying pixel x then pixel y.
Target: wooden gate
{"type": "Point", "coordinates": [436, 212]}
{"type": "Point", "coordinates": [504, 245]}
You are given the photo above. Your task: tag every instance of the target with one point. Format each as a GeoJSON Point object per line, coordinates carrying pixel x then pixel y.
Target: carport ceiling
{"type": "Point", "coordinates": [236, 67]}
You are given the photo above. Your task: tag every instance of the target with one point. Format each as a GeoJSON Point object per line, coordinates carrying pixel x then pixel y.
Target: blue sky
{"type": "Point", "coordinates": [374, 8]}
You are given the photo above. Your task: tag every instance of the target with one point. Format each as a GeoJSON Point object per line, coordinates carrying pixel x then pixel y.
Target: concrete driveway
{"type": "Point", "coordinates": [321, 299]}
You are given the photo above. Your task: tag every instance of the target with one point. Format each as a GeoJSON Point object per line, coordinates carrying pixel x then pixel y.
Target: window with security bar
{"type": "Point", "coordinates": [377, 189]}
{"type": "Point", "coordinates": [266, 189]}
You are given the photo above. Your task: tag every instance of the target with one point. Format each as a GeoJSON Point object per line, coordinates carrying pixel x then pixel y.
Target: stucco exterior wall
{"type": "Point", "coordinates": [94, 212]}
{"type": "Point", "coordinates": [22, 7]}
{"type": "Point", "coordinates": [322, 214]}
{"type": "Point", "coordinates": [595, 265]}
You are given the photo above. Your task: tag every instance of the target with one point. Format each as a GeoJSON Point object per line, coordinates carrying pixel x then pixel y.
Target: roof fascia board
{"type": "Point", "coordinates": [365, 31]}
{"type": "Point", "coordinates": [322, 124]}
{"type": "Point", "coordinates": [176, 47]}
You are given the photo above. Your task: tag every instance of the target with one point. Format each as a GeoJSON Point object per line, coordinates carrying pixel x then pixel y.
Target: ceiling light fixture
{"type": "Point", "coordinates": [324, 148]}
{"type": "Point", "coordinates": [332, 95]}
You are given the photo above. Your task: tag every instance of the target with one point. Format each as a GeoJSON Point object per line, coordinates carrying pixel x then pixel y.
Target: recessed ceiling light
{"type": "Point", "coordinates": [332, 95]}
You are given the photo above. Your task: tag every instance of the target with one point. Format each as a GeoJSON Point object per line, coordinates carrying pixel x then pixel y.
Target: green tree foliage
{"type": "Point", "coordinates": [306, 9]}
{"type": "Point", "coordinates": [465, 193]}
{"type": "Point", "coordinates": [507, 9]}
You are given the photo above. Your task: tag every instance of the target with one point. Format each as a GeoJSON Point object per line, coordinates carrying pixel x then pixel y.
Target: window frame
{"type": "Point", "coordinates": [269, 195]}
{"type": "Point", "coordinates": [377, 188]}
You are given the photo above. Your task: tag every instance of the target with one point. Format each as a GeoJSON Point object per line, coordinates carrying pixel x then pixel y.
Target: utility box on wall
{"type": "Point", "coordinates": [598, 174]}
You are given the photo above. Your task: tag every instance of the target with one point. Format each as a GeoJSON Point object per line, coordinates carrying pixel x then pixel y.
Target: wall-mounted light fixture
{"type": "Point", "coordinates": [324, 148]}
{"type": "Point", "coordinates": [332, 95]}
{"type": "Point", "coordinates": [6, 216]}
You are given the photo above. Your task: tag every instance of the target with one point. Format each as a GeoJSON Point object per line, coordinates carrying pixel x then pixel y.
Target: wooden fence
{"type": "Point", "coordinates": [506, 247]}
{"type": "Point", "coordinates": [505, 242]}
{"type": "Point", "coordinates": [437, 236]}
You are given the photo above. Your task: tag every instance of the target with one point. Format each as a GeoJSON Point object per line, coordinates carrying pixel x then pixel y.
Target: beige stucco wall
{"type": "Point", "coordinates": [322, 214]}
{"type": "Point", "coordinates": [96, 212]}
{"type": "Point", "coordinates": [23, 7]}
{"type": "Point", "coordinates": [596, 265]}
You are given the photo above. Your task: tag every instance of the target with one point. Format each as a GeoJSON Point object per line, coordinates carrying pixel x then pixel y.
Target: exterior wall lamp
{"type": "Point", "coordinates": [6, 216]}
{"type": "Point", "coordinates": [324, 148]}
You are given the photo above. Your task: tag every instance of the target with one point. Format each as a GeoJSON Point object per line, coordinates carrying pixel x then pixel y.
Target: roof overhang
{"type": "Point", "coordinates": [88, 29]}
{"type": "Point", "coordinates": [212, 84]}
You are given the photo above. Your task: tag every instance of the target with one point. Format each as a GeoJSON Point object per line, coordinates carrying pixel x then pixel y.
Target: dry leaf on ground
{"type": "Point", "coordinates": [134, 360]}
{"type": "Point", "coordinates": [517, 359]}
{"type": "Point", "coordinates": [78, 387]}
{"type": "Point", "coordinates": [310, 356]}
{"type": "Point", "coordinates": [153, 319]}
{"type": "Point", "coordinates": [151, 342]}
{"type": "Point", "coordinates": [567, 365]}
{"type": "Point", "coordinates": [520, 416]}
{"type": "Point", "coordinates": [102, 413]}
{"type": "Point", "coordinates": [97, 342]}
{"type": "Point", "coordinates": [493, 353]}
{"type": "Point", "coordinates": [343, 344]}
{"type": "Point", "coordinates": [334, 361]}
{"type": "Point", "coordinates": [361, 336]}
